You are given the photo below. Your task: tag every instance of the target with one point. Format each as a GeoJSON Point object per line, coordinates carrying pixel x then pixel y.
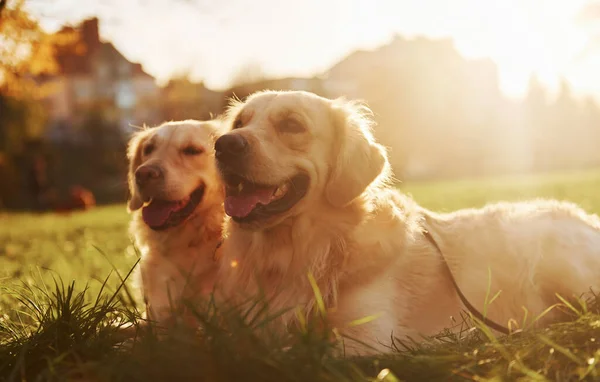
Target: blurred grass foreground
{"type": "Point", "coordinates": [63, 298]}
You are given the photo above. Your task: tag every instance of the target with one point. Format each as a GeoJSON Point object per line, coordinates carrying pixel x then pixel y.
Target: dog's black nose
{"type": "Point", "coordinates": [230, 146]}
{"type": "Point", "coordinates": [147, 174]}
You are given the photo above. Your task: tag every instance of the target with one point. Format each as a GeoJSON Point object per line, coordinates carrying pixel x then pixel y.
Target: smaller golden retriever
{"type": "Point", "coordinates": [177, 206]}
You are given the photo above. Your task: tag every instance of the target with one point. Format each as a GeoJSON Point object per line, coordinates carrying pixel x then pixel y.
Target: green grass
{"type": "Point", "coordinates": [63, 299]}
{"type": "Point", "coordinates": [579, 187]}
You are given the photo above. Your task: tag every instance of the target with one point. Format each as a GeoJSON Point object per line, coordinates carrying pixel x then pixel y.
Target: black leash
{"type": "Point", "coordinates": [471, 308]}
{"type": "Point", "coordinates": [216, 254]}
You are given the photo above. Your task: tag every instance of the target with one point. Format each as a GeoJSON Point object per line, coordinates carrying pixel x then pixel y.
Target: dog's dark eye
{"type": "Point", "coordinates": [237, 124]}
{"type": "Point", "coordinates": [148, 149]}
{"type": "Point", "coordinates": [291, 126]}
{"type": "Point", "coordinates": [192, 150]}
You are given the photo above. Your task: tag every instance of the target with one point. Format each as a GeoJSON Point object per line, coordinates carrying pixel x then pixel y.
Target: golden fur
{"type": "Point", "coordinates": [177, 262]}
{"type": "Point", "coordinates": [363, 241]}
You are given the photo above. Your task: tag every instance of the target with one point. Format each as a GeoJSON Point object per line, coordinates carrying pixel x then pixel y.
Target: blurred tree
{"type": "Point", "coordinates": [536, 98]}
{"type": "Point", "coordinates": [27, 51]}
{"type": "Point", "coordinates": [535, 127]}
{"type": "Point", "coordinates": [21, 122]}
{"type": "Point", "coordinates": [569, 131]}
{"type": "Point", "coordinates": [93, 158]}
{"type": "Point", "coordinates": [591, 120]}
{"type": "Point", "coordinates": [247, 74]}
{"type": "Point", "coordinates": [565, 101]}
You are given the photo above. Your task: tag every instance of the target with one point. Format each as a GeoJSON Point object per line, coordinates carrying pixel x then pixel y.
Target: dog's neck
{"type": "Point", "coordinates": [334, 245]}
{"type": "Point", "coordinates": [283, 256]}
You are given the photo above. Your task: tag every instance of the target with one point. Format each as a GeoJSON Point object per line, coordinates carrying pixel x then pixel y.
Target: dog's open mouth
{"type": "Point", "coordinates": [163, 214]}
{"type": "Point", "coordinates": [248, 201]}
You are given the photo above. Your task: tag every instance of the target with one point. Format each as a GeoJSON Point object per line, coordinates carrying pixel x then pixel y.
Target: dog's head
{"type": "Point", "coordinates": [172, 172]}
{"type": "Point", "coordinates": [289, 151]}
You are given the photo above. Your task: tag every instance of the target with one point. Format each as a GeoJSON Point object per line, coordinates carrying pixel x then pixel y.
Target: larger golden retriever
{"type": "Point", "coordinates": [177, 206]}
{"type": "Point", "coordinates": [306, 191]}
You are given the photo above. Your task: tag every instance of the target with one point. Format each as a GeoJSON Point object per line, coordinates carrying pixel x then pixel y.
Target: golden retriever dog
{"type": "Point", "coordinates": [177, 206]}
{"type": "Point", "coordinates": [307, 195]}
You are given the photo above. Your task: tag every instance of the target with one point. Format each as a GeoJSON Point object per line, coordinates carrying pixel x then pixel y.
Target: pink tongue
{"type": "Point", "coordinates": [157, 212]}
{"type": "Point", "coordinates": [241, 205]}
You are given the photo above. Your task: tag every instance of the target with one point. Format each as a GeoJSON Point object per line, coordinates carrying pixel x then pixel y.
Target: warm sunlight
{"type": "Point", "coordinates": [524, 38]}
{"type": "Point", "coordinates": [547, 38]}
{"type": "Point", "coordinates": [302, 190]}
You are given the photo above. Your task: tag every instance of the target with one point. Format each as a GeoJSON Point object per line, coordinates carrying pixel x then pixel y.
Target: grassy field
{"type": "Point", "coordinates": [62, 295]}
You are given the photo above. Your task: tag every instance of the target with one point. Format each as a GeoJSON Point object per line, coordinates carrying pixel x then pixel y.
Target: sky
{"type": "Point", "coordinates": [214, 39]}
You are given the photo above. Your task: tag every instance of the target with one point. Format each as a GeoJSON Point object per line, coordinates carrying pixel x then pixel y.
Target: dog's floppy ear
{"type": "Point", "coordinates": [358, 160]}
{"type": "Point", "coordinates": [134, 154]}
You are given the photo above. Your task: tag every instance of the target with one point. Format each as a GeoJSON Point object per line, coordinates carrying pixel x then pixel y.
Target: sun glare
{"type": "Point", "coordinates": [522, 43]}
{"type": "Point", "coordinates": [523, 37]}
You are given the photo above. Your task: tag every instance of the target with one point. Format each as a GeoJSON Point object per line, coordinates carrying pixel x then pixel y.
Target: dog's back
{"type": "Point", "coordinates": [527, 251]}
